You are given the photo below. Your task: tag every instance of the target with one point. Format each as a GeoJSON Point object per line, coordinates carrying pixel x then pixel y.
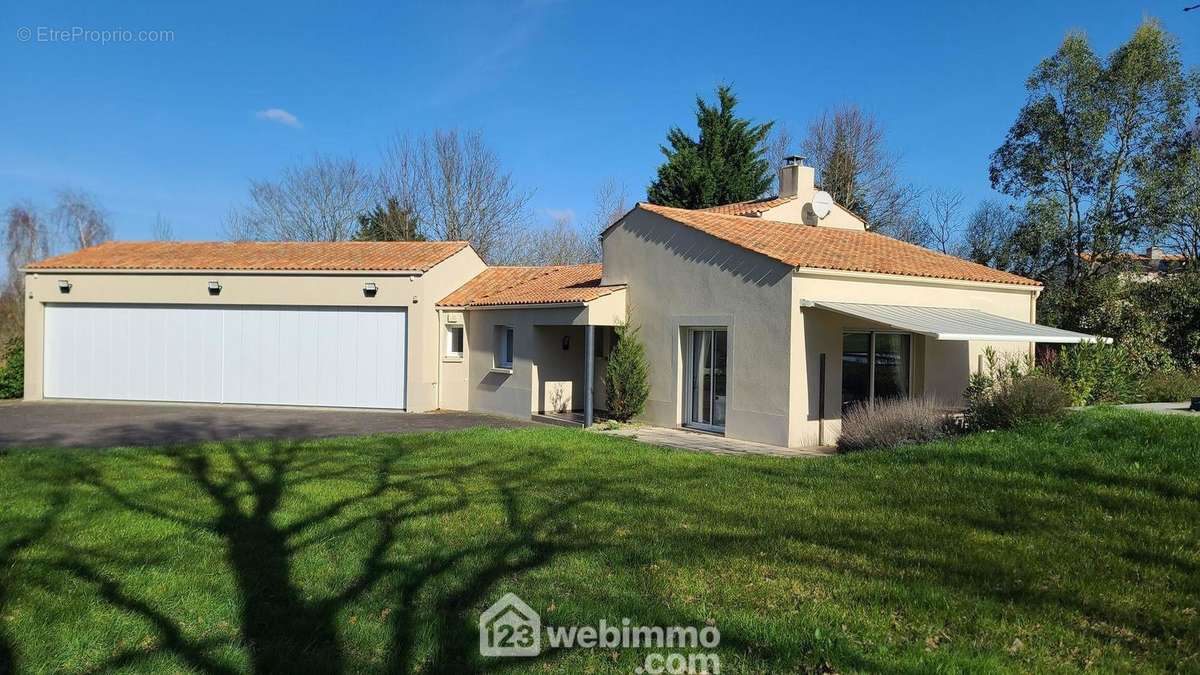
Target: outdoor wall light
{"type": "Point", "coordinates": [64, 286]}
{"type": "Point", "coordinates": [214, 288]}
{"type": "Point", "coordinates": [566, 342]}
{"type": "Point", "coordinates": [370, 289]}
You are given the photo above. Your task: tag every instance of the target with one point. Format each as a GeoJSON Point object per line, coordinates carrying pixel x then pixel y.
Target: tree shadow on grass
{"type": "Point", "coordinates": [1011, 537]}
{"type": "Point", "coordinates": [268, 502]}
{"type": "Point", "coordinates": [9, 552]}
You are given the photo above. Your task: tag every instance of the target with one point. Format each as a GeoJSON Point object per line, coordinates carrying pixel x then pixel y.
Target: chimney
{"type": "Point", "coordinates": [795, 179]}
{"type": "Point", "coordinates": [1154, 253]}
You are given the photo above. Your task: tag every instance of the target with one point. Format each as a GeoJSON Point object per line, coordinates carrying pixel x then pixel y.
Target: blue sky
{"type": "Point", "coordinates": [568, 93]}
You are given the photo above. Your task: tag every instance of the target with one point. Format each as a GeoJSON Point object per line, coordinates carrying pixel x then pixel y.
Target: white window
{"type": "Point", "coordinates": [454, 341]}
{"type": "Point", "coordinates": [504, 346]}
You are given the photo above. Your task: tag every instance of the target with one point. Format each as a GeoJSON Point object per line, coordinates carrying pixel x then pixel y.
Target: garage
{"type": "Point", "coordinates": [318, 356]}
{"type": "Point", "coordinates": [343, 324]}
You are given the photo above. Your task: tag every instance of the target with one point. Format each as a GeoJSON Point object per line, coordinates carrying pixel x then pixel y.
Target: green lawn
{"type": "Point", "coordinates": [1052, 548]}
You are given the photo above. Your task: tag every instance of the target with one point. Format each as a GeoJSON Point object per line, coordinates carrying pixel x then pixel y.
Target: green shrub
{"type": "Point", "coordinates": [627, 375]}
{"type": "Point", "coordinates": [1034, 397]}
{"type": "Point", "coordinates": [1029, 398]}
{"type": "Point", "coordinates": [12, 370]}
{"type": "Point", "coordinates": [1012, 392]}
{"type": "Point", "coordinates": [1171, 303]}
{"type": "Point", "coordinates": [1095, 372]}
{"type": "Point", "coordinates": [1170, 386]}
{"type": "Point", "coordinates": [892, 423]}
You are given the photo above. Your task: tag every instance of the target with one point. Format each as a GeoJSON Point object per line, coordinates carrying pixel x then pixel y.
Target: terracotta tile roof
{"type": "Point", "coordinates": [279, 256]}
{"type": "Point", "coordinates": [752, 207]}
{"type": "Point", "coordinates": [1139, 257]}
{"type": "Point", "coordinates": [834, 249]}
{"type": "Point", "coordinates": [530, 286]}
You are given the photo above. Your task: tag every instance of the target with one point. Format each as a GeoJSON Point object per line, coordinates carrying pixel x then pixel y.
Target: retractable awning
{"type": "Point", "coordinates": [943, 323]}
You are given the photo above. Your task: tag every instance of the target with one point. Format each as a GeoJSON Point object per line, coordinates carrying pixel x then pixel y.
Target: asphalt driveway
{"type": "Point", "coordinates": [102, 425]}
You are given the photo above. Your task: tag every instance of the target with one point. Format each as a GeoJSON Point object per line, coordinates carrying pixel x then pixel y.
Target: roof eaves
{"type": "Point", "coordinates": [406, 272]}
{"type": "Point", "coordinates": [451, 248]}
{"type": "Point", "coordinates": [482, 303]}
{"type": "Point", "coordinates": [1027, 284]}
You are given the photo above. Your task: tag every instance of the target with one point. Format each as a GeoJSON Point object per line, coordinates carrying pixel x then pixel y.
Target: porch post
{"type": "Point", "coordinates": [589, 349]}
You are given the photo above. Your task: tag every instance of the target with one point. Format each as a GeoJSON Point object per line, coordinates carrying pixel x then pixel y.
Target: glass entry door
{"type": "Point", "coordinates": [706, 386]}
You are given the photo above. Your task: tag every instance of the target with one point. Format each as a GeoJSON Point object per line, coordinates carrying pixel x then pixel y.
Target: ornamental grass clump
{"type": "Point", "coordinates": [893, 423]}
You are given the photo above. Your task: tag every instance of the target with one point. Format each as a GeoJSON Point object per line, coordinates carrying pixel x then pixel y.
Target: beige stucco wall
{"type": "Point", "coordinates": [417, 293]}
{"type": "Point", "coordinates": [454, 370]}
{"type": "Point", "coordinates": [800, 211]}
{"type": "Point", "coordinates": [678, 278]}
{"type": "Point", "coordinates": [437, 283]}
{"type": "Point", "coordinates": [799, 182]}
{"type": "Point", "coordinates": [940, 368]}
{"type": "Point", "coordinates": [557, 372]}
{"type": "Point", "coordinates": [537, 335]}
{"type": "Point", "coordinates": [543, 376]}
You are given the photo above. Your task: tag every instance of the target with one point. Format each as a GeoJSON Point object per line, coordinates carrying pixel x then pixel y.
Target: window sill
{"type": "Point", "coordinates": [452, 359]}
{"type": "Point", "coordinates": [504, 371]}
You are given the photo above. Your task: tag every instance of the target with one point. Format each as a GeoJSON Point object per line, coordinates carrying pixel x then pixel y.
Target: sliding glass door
{"type": "Point", "coordinates": [875, 367]}
{"type": "Point", "coordinates": [706, 382]}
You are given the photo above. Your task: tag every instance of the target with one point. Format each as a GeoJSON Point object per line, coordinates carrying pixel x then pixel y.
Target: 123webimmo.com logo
{"type": "Point", "coordinates": [510, 627]}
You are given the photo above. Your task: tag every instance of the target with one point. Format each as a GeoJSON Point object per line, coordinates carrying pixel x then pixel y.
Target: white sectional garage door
{"type": "Point", "coordinates": [320, 356]}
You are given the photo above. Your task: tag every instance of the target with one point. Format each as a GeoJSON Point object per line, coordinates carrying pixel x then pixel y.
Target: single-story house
{"type": "Point", "coordinates": [762, 320]}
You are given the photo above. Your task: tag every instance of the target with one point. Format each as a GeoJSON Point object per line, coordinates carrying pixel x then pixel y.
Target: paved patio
{"type": "Point", "coordinates": [1182, 408]}
{"type": "Point", "coordinates": [701, 442]}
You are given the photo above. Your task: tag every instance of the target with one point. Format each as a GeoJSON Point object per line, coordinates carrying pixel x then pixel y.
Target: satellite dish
{"type": "Point", "coordinates": [822, 203]}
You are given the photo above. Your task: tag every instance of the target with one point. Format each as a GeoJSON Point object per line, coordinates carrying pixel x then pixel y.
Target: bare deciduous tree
{"type": "Point", "coordinates": [780, 144]}
{"type": "Point", "coordinates": [910, 227]}
{"type": "Point", "coordinates": [25, 240]}
{"type": "Point", "coordinates": [611, 202]}
{"type": "Point", "coordinates": [162, 230]}
{"type": "Point", "coordinates": [848, 149]}
{"type": "Point", "coordinates": [456, 185]}
{"type": "Point", "coordinates": [561, 243]}
{"type": "Point", "coordinates": [317, 201]}
{"type": "Point", "coordinates": [986, 237]}
{"type": "Point", "coordinates": [79, 220]}
{"type": "Point", "coordinates": [942, 219]}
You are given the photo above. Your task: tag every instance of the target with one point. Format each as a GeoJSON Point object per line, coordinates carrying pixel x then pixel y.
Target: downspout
{"type": "Point", "coordinates": [821, 402]}
{"type": "Point", "coordinates": [441, 331]}
{"type": "Point", "coordinates": [1033, 298]}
